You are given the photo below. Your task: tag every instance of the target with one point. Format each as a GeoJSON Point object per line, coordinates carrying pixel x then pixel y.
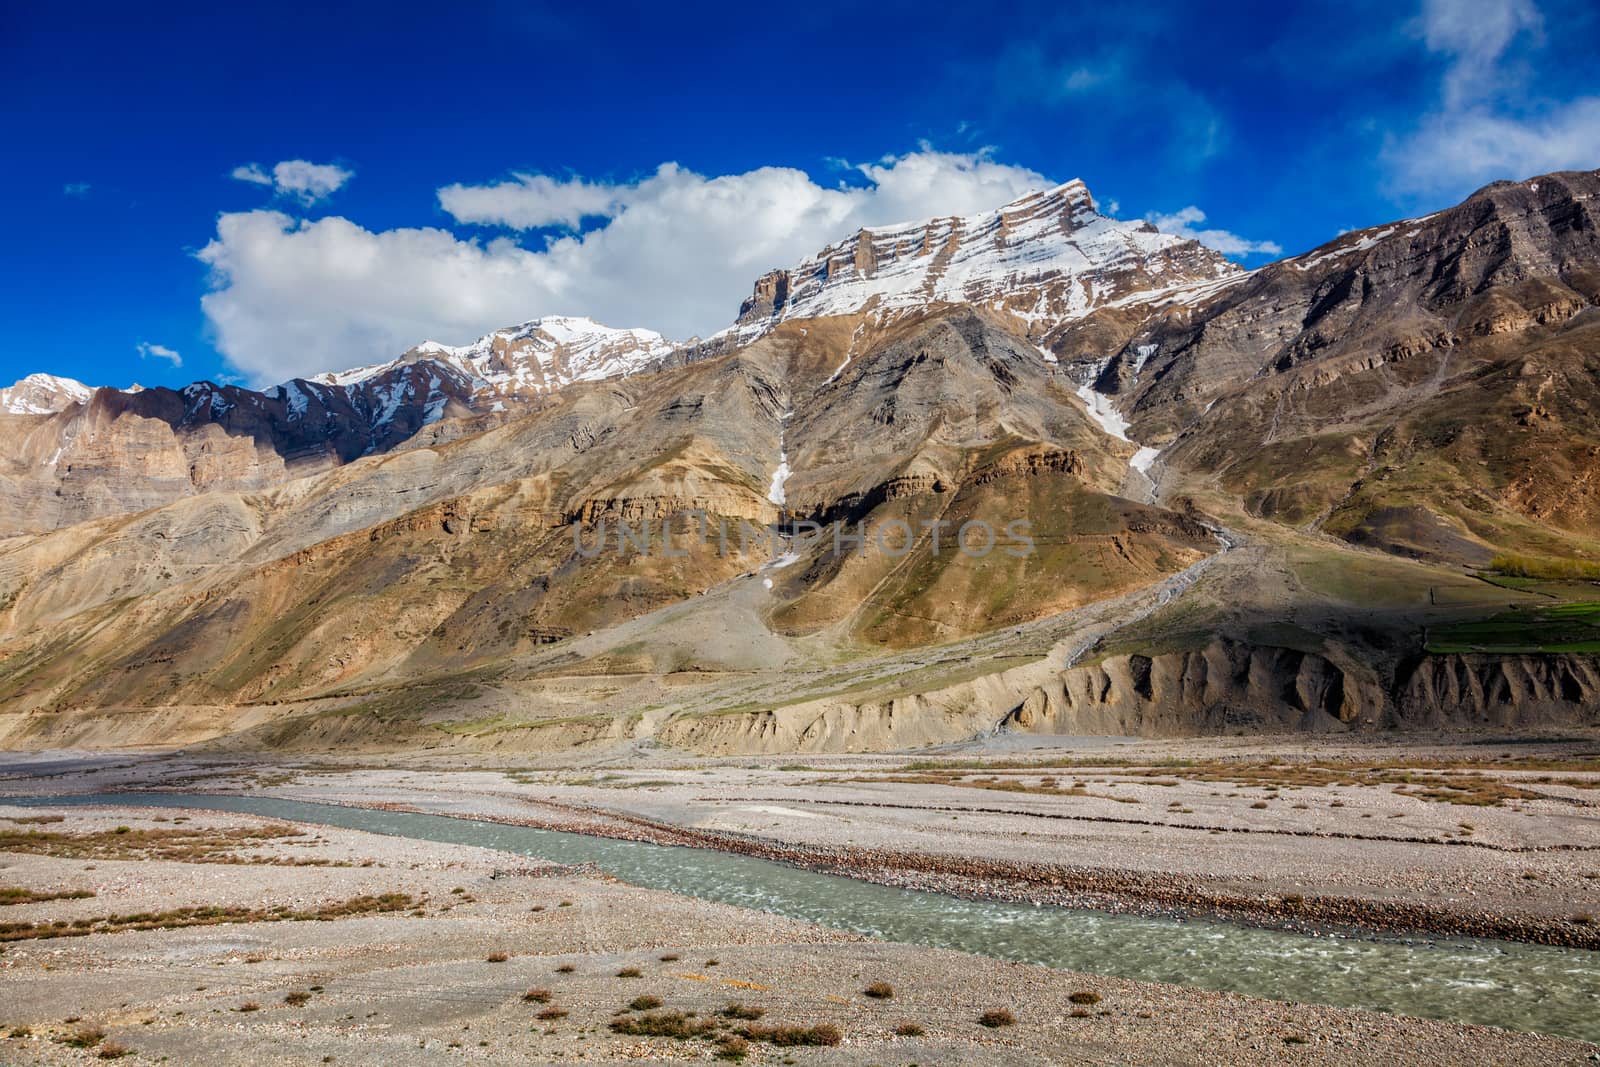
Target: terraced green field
{"type": "Point", "coordinates": [1571, 627]}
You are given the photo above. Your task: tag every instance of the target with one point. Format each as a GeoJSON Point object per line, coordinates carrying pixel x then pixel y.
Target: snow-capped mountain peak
{"type": "Point", "coordinates": [547, 353]}
{"type": "Point", "coordinates": [1049, 256]}
{"type": "Point", "coordinates": [42, 394]}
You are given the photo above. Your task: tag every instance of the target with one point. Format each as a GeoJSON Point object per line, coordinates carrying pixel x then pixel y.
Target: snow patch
{"type": "Point", "coordinates": [1101, 410]}
{"type": "Point", "coordinates": [775, 490]}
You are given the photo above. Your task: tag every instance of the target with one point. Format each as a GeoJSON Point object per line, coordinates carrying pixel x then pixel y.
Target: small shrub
{"type": "Point", "coordinates": [996, 1019]}
{"type": "Point", "coordinates": [1519, 566]}
{"type": "Point", "coordinates": [791, 1036]}
{"type": "Point", "coordinates": [248, 1005]}
{"type": "Point", "coordinates": [1296, 1039]}
{"type": "Point", "coordinates": [565, 904]}
{"type": "Point", "coordinates": [673, 1024]}
{"type": "Point", "coordinates": [670, 957]}
{"type": "Point", "coordinates": [629, 972]}
{"type": "Point", "coordinates": [496, 957]}
{"type": "Point", "coordinates": [1583, 918]}
{"type": "Point", "coordinates": [732, 1047]}
{"type": "Point", "coordinates": [550, 1014]}
{"type": "Point", "coordinates": [909, 1030]}
{"type": "Point", "coordinates": [879, 991]}
{"type": "Point", "coordinates": [736, 1010]}
{"type": "Point", "coordinates": [296, 998]}
{"type": "Point", "coordinates": [114, 1050]}
{"type": "Point", "coordinates": [565, 968]}
{"type": "Point", "coordinates": [536, 996]}
{"type": "Point", "coordinates": [1259, 804]}
{"type": "Point", "coordinates": [1085, 997]}
{"type": "Point", "coordinates": [83, 1037]}
{"type": "Point", "coordinates": [711, 963]}
{"type": "Point", "coordinates": [644, 1003]}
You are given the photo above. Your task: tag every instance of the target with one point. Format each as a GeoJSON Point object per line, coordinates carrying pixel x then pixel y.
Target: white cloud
{"type": "Point", "coordinates": [297, 178]}
{"type": "Point", "coordinates": [152, 351]}
{"type": "Point", "coordinates": [529, 202]}
{"type": "Point", "coordinates": [1487, 125]}
{"type": "Point", "coordinates": [1183, 222]}
{"type": "Point", "coordinates": [252, 173]}
{"type": "Point", "coordinates": [1475, 35]}
{"type": "Point", "coordinates": [677, 254]}
{"type": "Point", "coordinates": [1455, 152]}
{"type": "Point", "coordinates": [75, 189]}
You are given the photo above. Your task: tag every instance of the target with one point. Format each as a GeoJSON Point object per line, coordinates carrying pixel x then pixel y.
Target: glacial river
{"type": "Point", "coordinates": [1521, 987]}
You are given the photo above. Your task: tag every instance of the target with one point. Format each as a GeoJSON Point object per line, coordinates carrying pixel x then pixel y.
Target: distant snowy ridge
{"type": "Point", "coordinates": [553, 351]}
{"type": "Point", "coordinates": [42, 394]}
{"type": "Point", "coordinates": [1047, 258]}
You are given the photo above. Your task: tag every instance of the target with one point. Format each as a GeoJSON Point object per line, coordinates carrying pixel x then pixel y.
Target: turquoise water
{"type": "Point", "coordinates": [1521, 987]}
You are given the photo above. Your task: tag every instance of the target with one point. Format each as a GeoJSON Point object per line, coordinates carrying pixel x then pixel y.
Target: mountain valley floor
{"type": "Point", "coordinates": [191, 915]}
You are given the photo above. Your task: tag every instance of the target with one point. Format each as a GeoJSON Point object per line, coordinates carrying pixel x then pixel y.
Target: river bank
{"type": "Point", "coordinates": [1481, 836]}
{"type": "Point", "coordinates": [421, 980]}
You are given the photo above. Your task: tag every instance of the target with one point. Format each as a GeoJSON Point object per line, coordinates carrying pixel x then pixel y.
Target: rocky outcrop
{"type": "Point", "coordinates": [1502, 690]}
{"type": "Point", "coordinates": [951, 713]}
{"type": "Point", "coordinates": [1226, 686]}
{"type": "Point", "coordinates": [771, 293]}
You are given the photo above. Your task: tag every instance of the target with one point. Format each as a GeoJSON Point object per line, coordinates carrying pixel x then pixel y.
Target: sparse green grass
{"type": "Point", "coordinates": [10, 894]}
{"type": "Point", "coordinates": [181, 844]}
{"type": "Point", "coordinates": [204, 915]}
{"type": "Point", "coordinates": [1465, 782]}
{"type": "Point", "coordinates": [1520, 566]}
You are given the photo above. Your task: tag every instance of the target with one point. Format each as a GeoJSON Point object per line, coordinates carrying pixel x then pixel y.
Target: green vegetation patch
{"type": "Point", "coordinates": [1558, 628]}
{"type": "Point", "coordinates": [203, 915]}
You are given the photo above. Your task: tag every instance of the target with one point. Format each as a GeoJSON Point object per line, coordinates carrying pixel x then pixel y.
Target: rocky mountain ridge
{"type": "Point", "coordinates": [1045, 258]}
{"type": "Point", "coordinates": [1251, 495]}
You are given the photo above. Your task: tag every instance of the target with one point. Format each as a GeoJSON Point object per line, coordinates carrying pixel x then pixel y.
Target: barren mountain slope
{"type": "Point", "coordinates": [1428, 387]}
{"type": "Point", "coordinates": [480, 576]}
{"type": "Point", "coordinates": [451, 557]}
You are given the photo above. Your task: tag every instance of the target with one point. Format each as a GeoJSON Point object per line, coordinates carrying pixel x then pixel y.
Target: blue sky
{"type": "Point", "coordinates": [259, 191]}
